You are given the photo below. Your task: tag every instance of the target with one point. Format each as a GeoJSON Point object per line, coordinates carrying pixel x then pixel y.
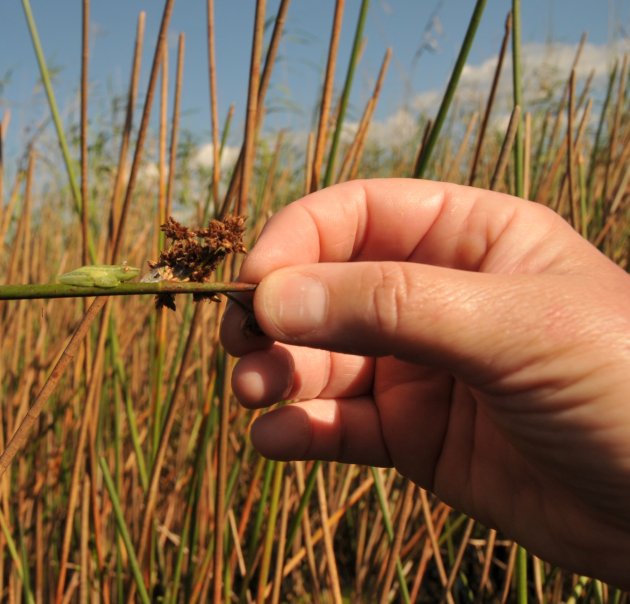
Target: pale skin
{"type": "Point", "coordinates": [472, 340]}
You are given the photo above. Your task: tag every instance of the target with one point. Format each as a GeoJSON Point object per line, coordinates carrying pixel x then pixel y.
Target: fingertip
{"type": "Point", "coordinates": [282, 434]}
{"type": "Point", "coordinates": [345, 430]}
{"type": "Point", "coordinates": [240, 333]}
{"type": "Point", "coordinates": [262, 378]}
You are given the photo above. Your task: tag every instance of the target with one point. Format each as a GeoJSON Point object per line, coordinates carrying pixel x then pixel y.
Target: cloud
{"type": "Point", "coordinates": [544, 64]}
{"type": "Point", "coordinates": [545, 69]}
{"type": "Point", "coordinates": [394, 131]}
{"type": "Point", "coordinates": [204, 157]}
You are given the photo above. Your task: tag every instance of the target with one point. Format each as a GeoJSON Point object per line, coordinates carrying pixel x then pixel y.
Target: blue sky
{"type": "Point", "coordinates": [391, 23]}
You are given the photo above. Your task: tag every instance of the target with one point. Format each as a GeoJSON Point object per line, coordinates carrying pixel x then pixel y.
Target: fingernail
{"type": "Point", "coordinates": [297, 304]}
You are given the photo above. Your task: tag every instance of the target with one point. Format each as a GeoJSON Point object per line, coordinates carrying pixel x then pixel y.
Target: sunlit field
{"type": "Point", "coordinates": [128, 474]}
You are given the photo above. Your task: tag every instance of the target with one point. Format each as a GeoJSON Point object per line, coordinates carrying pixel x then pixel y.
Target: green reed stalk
{"type": "Point", "coordinates": [387, 521]}
{"type": "Point", "coordinates": [15, 556]}
{"type": "Point", "coordinates": [428, 148]}
{"type": "Point", "coordinates": [118, 467]}
{"type": "Point", "coordinates": [271, 529]}
{"type": "Point", "coordinates": [539, 157]}
{"type": "Point", "coordinates": [226, 132]}
{"type": "Point", "coordinates": [26, 581]}
{"type": "Point", "coordinates": [452, 528]}
{"type": "Point", "coordinates": [258, 521]}
{"type": "Point", "coordinates": [45, 75]}
{"type": "Point", "coordinates": [192, 499]}
{"type": "Point", "coordinates": [59, 290]}
{"type": "Point", "coordinates": [345, 95]}
{"type": "Point", "coordinates": [518, 95]}
{"type": "Point", "coordinates": [124, 532]}
{"type": "Point", "coordinates": [189, 538]}
{"type": "Point", "coordinates": [309, 485]}
{"type": "Point", "coordinates": [521, 560]}
{"type": "Point", "coordinates": [120, 374]}
{"type": "Point", "coordinates": [598, 136]}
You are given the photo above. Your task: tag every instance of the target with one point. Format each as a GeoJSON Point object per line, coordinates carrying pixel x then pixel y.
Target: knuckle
{"type": "Point", "coordinates": [389, 296]}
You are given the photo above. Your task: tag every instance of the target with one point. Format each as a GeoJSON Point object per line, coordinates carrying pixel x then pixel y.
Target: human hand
{"type": "Point", "coordinates": [468, 338]}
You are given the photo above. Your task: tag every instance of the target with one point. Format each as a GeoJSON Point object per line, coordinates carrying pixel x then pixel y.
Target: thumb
{"type": "Point", "coordinates": [477, 325]}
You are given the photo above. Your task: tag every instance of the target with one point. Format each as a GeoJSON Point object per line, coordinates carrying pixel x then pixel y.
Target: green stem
{"type": "Point", "coordinates": [123, 384]}
{"type": "Point", "coordinates": [59, 290]}
{"type": "Point", "coordinates": [597, 144]}
{"type": "Point", "coordinates": [15, 556]}
{"type": "Point", "coordinates": [258, 522]}
{"type": "Point", "coordinates": [209, 198]}
{"type": "Point", "coordinates": [518, 97]}
{"type": "Point", "coordinates": [271, 529]}
{"type": "Point", "coordinates": [43, 69]}
{"type": "Point", "coordinates": [304, 500]}
{"type": "Point", "coordinates": [354, 57]}
{"type": "Point", "coordinates": [521, 575]}
{"type": "Point", "coordinates": [387, 521]}
{"type": "Point", "coordinates": [428, 148]}
{"type": "Point", "coordinates": [521, 562]}
{"type": "Point", "coordinates": [124, 532]}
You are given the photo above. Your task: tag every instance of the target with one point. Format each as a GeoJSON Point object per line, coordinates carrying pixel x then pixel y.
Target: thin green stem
{"type": "Point", "coordinates": [306, 496]}
{"type": "Point", "coordinates": [518, 97]}
{"type": "Point", "coordinates": [598, 136]}
{"type": "Point", "coordinates": [521, 561]}
{"type": "Point", "coordinates": [43, 69]}
{"type": "Point", "coordinates": [258, 521]}
{"type": "Point", "coordinates": [226, 132]}
{"type": "Point", "coordinates": [387, 521]}
{"type": "Point", "coordinates": [124, 532]}
{"type": "Point", "coordinates": [427, 150]}
{"type": "Point", "coordinates": [271, 529]}
{"type": "Point", "coordinates": [15, 556]}
{"type": "Point", "coordinates": [59, 290]}
{"type": "Point", "coordinates": [345, 95]}
{"type": "Point", "coordinates": [129, 410]}
{"type": "Point", "coordinates": [521, 575]}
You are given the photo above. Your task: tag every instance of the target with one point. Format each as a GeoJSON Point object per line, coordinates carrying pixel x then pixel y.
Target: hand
{"type": "Point", "coordinates": [470, 339]}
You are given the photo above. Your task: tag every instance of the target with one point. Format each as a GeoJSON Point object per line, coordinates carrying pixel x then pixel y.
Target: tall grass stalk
{"type": "Point", "coordinates": [517, 87]}
{"type": "Point", "coordinates": [122, 527]}
{"type": "Point", "coordinates": [325, 102]}
{"type": "Point", "coordinates": [61, 137]}
{"type": "Point", "coordinates": [519, 188]}
{"type": "Point", "coordinates": [428, 147]}
{"type": "Point", "coordinates": [345, 94]}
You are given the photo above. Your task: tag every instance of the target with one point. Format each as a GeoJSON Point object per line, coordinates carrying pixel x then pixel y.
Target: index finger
{"type": "Point", "coordinates": [396, 219]}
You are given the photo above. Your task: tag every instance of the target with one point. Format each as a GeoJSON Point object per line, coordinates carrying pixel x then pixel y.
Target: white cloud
{"type": "Point", "coordinates": [397, 129]}
{"type": "Point", "coordinates": [546, 67]}
{"type": "Point", "coordinates": [204, 156]}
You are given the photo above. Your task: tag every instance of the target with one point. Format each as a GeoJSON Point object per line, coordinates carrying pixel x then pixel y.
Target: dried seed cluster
{"type": "Point", "coordinates": [194, 254]}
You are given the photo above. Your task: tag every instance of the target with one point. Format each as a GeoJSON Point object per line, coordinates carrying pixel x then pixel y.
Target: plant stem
{"type": "Point", "coordinates": [354, 57]}
{"type": "Point", "coordinates": [427, 149]}
{"type": "Point", "coordinates": [59, 290]}
{"type": "Point", "coordinates": [124, 532]}
{"type": "Point", "coordinates": [389, 528]}
{"type": "Point", "coordinates": [45, 75]}
{"type": "Point", "coordinates": [518, 100]}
